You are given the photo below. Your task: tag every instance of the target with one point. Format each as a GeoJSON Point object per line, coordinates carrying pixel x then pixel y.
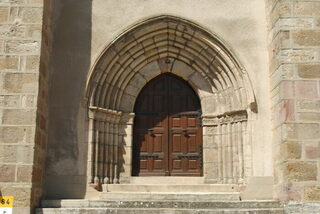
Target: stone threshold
{"type": "Point", "coordinates": [175, 188]}
{"type": "Point", "coordinates": [166, 180]}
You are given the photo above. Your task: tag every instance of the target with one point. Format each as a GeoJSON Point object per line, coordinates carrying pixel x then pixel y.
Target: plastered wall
{"type": "Point", "coordinates": [241, 24]}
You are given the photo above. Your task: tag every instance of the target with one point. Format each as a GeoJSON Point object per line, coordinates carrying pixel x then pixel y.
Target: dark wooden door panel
{"type": "Point", "coordinates": [167, 132]}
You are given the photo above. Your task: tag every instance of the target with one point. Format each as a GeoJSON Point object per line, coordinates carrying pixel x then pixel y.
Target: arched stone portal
{"type": "Point", "coordinates": [155, 46]}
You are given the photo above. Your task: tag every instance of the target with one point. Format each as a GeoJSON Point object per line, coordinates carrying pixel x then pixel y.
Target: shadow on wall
{"type": "Point", "coordinates": [69, 64]}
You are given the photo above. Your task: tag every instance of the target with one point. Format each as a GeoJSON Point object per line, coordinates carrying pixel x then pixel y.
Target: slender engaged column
{"type": "Point", "coordinates": [106, 154]}
{"type": "Point", "coordinates": [96, 152]}
{"type": "Point", "coordinates": [90, 170]}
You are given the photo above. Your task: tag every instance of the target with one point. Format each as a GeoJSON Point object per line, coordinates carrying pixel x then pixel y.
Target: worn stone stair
{"type": "Point", "coordinates": [172, 192]}
{"type": "Point", "coordinates": [175, 188]}
{"type": "Point", "coordinates": [141, 207]}
{"type": "Point", "coordinates": [169, 198]}
{"type": "Point", "coordinates": [186, 196]}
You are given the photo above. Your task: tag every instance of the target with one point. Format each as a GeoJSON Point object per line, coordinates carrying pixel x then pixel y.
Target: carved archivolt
{"type": "Point", "coordinates": [167, 44]}
{"type": "Point", "coordinates": [119, 69]}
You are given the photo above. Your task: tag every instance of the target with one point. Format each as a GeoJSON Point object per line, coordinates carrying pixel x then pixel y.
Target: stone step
{"type": "Point", "coordinates": [186, 204]}
{"type": "Point", "coordinates": [155, 211]}
{"type": "Point", "coordinates": [166, 180]}
{"type": "Point", "coordinates": [170, 188]}
{"type": "Point", "coordinates": [170, 196]}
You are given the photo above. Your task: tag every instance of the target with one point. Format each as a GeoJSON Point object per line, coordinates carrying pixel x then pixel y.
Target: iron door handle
{"type": "Point", "coordinates": [145, 156]}
{"type": "Point", "coordinates": [185, 132]}
{"type": "Point", "coordinates": [190, 156]}
{"type": "Point", "coordinates": [150, 131]}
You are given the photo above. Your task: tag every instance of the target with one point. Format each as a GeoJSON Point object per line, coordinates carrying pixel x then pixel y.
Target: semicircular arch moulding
{"type": "Point", "coordinates": [157, 45]}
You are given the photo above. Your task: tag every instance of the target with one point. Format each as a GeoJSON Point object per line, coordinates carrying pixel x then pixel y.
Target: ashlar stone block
{"type": "Point", "coordinates": [302, 131]}
{"type": "Point", "coordinates": [32, 62]}
{"type": "Point", "coordinates": [306, 37]}
{"type": "Point", "coordinates": [34, 32]}
{"type": "Point", "coordinates": [21, 194]}
{"type": "Point", "coordinates": [14, 2]}
{"type": "Point", "coordinates": [282, 9]}
{"type": "Point", "coordinates": [290, 150]}
{"type": "Point", "coordinates": [22, 47]}
{"type": "Point", "coordinates": [306, 89]}
{"type": "Point", "coordinates": [8, 154]}
{"type": "Point", "coordinates": [309, 71]}
{"type": "Point", "coordinates": [15, 30]}
{"type": "Point", "coordinates": [301, 171]}
{"type": "Point", "coordinates": [294, 56]}
{"type": "Point", "coordinates": [16, 134]}
{"type": "Point", "coordinates": [7, 173]}
{"type": "Point", "coordinates": [310, 105]}
{"type": "Point", "coordinates": [286, 89]}
{"type": "Point", "coordinates": [17, 83]}
{"type": "Point", "coordinates": [312, 193]}
{"type": "Point", "coordinates": [9, 101]}
{"type": "Point", "coordinates": [18, 117]}
{"type": "Point", "coordinates": [309, 116]}
{"type": "Point", "coordinates": [29, 101]}
{"type": "Point", "coordinates": [31, 14]}
{"type": "Point", "coordinates": [288, 23]}
{"type": "Point", "coordinates": [312, 151]}
{"type": "Point", "coordinates": [286, 111]}
{"type": "Point", "coordinates": [306, 8]}
{"type": "Point", "coordinates": [24, 173]}
{"type": "Point", "coordinates": [24, 154]}
{"type": "Point", "coordinates": [9, 63]}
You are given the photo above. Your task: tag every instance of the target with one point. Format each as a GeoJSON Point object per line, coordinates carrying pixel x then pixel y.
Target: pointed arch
{"type": "Point", "coordinates": [172, 43]}
{"type": "Point", "coordinates": [148, 49]}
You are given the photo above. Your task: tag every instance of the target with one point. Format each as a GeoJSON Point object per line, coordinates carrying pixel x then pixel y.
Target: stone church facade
{"type": "Point", "coordinates": [239, 82]}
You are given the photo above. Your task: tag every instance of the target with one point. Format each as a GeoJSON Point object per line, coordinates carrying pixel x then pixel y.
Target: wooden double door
{"type": "Point", "coordinates": [167, 138]}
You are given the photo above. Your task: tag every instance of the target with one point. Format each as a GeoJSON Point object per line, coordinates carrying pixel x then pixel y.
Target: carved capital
{"type": "Point", "coordinates": [127, 118]}
{"type": "Point", "coordinates": [103, 114]}
{"type": "Point", "coordinates": [231, 117]}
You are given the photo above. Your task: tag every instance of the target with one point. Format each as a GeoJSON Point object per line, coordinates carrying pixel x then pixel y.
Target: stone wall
{"type": "Point", "coordinates": [70, 46]}
{"type": "Point", "coordinates": [295, 74]}
{"type": "Point", "coordinates": [20, 151]}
